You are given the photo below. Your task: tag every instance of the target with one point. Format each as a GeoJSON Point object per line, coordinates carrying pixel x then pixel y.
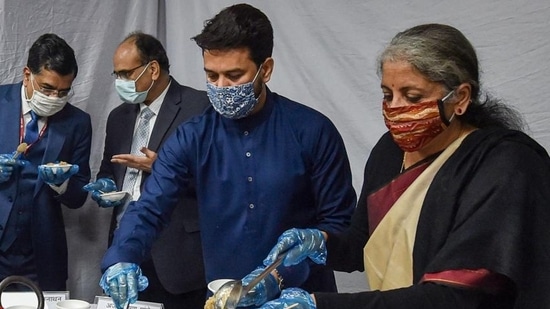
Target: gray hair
{"type": "Point", "coordinates": [444, 55]}
{"type": "Point", "coordinates": [439, 52]}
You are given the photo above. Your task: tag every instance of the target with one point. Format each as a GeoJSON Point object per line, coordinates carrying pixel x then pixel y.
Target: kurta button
{"type": "Point", "coordinates": [249, 178]}
{"type": "Point", "coordinates": [248, 154]}
{"type": "Point", "coordinates": [246, 133]}
{"type": "Point", "coordinates": [10, 199]}
{"type": "Point", "coordinates": [251, 206]}
{"type": "Point", "coordinates": [1, 227]}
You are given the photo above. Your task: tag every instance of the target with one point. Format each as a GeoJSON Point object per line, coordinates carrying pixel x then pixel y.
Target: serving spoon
{"type": "Point", "coordinates": [236, 290]}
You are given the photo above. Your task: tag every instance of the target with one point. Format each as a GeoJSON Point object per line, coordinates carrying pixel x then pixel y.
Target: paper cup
{"type": "Point", "coordinates": [72, 304]}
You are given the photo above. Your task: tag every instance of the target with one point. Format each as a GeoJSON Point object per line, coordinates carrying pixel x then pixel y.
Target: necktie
{"type": "Point", "coordinates": [140, 140]}
{"type": "Point", "coordinates": [31, 130]}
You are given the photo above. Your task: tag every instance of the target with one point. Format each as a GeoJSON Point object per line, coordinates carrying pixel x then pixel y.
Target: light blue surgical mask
{"type": "Point", "coordinates": [126, 89]}
{"type": "Point", "coordinates": [233, 102]}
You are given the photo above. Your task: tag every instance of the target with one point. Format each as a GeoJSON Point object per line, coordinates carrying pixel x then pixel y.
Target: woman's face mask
{"type": "Point", "coordinates": [415, 125]}
{"type": "Point", "coordinates": [44, 105]}
{"type": "Point", "coordinates": [233, 102]}
{"type": "Point", "coordinates": [126, 89]}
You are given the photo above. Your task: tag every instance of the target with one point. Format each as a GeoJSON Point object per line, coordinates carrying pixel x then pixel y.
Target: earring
{"type": "Point", "coordinates": [459, 111]}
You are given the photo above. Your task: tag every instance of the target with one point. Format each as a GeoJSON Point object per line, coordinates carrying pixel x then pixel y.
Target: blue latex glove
{"type": "Point", "coordinates": [55, 175]}
{"type": "Point", "coordinates": [296, 297]}
{"type": "Point", "coordinates": [122, 282]}
{"type": "Point", "coordinates": [100, 186]}
{"type": "Point", "coordinates": [265, 290]}
{"type": "Point", "coordinates": [7, 165]}
{"type": "Point", "coordinates": [300, 244]}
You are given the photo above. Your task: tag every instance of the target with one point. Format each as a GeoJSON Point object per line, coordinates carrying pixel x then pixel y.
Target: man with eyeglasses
{"type": "Point", "coordinates": [35, 114]}
{"type": "Point", "coordinates": [154, 105]}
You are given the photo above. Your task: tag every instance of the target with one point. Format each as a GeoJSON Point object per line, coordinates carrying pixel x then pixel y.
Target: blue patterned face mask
{"type": "Point", "coordinates": [233, 102]}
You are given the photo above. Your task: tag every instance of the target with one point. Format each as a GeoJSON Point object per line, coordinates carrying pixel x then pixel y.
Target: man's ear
{"type": "Point", "coordinates": [155, 69]}
{"type": "Point", "coordinates": [267, 69]}
{"type": "Point", "coordinates": [26, 76]}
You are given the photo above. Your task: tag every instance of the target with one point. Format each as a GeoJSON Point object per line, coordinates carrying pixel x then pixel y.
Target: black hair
{"type": "Point", "coordinates": [149, 49]}
{"type": "Point", "coordinates": [52, 53]}
{"type": "Point", "coordinates": [237, 26]}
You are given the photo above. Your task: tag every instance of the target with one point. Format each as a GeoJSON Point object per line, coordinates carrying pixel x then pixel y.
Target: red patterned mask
{"type": "Point", "coordinates": [415, 125]}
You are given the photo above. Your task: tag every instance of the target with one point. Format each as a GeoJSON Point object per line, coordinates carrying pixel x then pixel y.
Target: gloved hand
{"type": "Point", "coordinates": [55, 175]}
{"type": "Point", "coordinates": [290, 297]}
{"type": "Point", "coordinates": [100, 186]}
{"type": "Point", "coordinates": [265, 290]}
{"type": "Point", "coordinates": [300, 243]}
{"type": "Point", "coordinates": [7, 164]}
{"type": "Point", "coordinates": [122, 282]}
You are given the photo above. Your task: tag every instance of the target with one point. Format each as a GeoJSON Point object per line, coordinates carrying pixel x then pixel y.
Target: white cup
{"type": "Point", "coordinates": [213, 286]}
{"type": "Point", "coordinates": [72, 304]}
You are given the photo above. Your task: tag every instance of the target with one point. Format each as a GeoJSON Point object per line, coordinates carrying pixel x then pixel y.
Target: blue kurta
{"type": "Point", "coordinates": [285, 166]}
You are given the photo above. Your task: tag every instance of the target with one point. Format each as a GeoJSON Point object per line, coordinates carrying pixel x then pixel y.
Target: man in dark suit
{"type": "Point", "coordinates": [35, 111]}
{"type": "Point", "coordinates": [144, 83]}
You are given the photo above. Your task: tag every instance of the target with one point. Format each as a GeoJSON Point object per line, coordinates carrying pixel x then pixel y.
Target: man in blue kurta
{"type": "Point", "coordinates": [261, 163]}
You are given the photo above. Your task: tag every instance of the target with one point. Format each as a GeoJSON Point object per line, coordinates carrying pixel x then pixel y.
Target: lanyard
{"type": "Point", "coordinates": [22, 132]}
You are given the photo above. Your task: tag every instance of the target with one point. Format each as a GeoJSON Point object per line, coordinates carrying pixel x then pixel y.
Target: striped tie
{"type": "Point", "coordinates": [139, 141]}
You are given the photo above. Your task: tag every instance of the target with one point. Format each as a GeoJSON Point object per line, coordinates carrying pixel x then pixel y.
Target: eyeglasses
{"type": "Point", "coordinates": [49, 91]}
{"type": "Point", "coordinates": [125, 74]}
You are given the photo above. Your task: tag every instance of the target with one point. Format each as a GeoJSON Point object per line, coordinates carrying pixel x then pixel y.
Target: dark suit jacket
{"type": "Point", "coordinates": [68, 137]}
{"type": "Point", "coordinates": [177, 254]}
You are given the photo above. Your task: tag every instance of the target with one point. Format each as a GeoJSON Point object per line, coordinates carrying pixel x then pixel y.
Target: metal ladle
{"type": "Point", "coordinates": [236, 290]}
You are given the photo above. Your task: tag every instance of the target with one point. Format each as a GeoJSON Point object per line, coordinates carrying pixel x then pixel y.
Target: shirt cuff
{"type": "Point", "coordinates": [62, 188]}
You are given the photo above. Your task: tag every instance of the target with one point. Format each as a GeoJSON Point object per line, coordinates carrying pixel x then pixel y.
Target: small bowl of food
{"type": "Point", "coordinates": [213, 286]}
{"type": "Point", "coordinates": [114, 196]}
{"type": "Point", "coordinates": [72, 304]}
{"type": "Point", "coordinates": [60, 167]}
{"type": "Point", "coordinates": [218, 300]}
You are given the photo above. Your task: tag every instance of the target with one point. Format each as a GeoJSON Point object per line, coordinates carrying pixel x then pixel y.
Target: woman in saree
{"type": "Point", "coordinates": [454, 207]}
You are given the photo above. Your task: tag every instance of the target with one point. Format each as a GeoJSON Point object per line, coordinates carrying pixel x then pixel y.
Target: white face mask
{"type": "Point", "coordinates": [44, 105]}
